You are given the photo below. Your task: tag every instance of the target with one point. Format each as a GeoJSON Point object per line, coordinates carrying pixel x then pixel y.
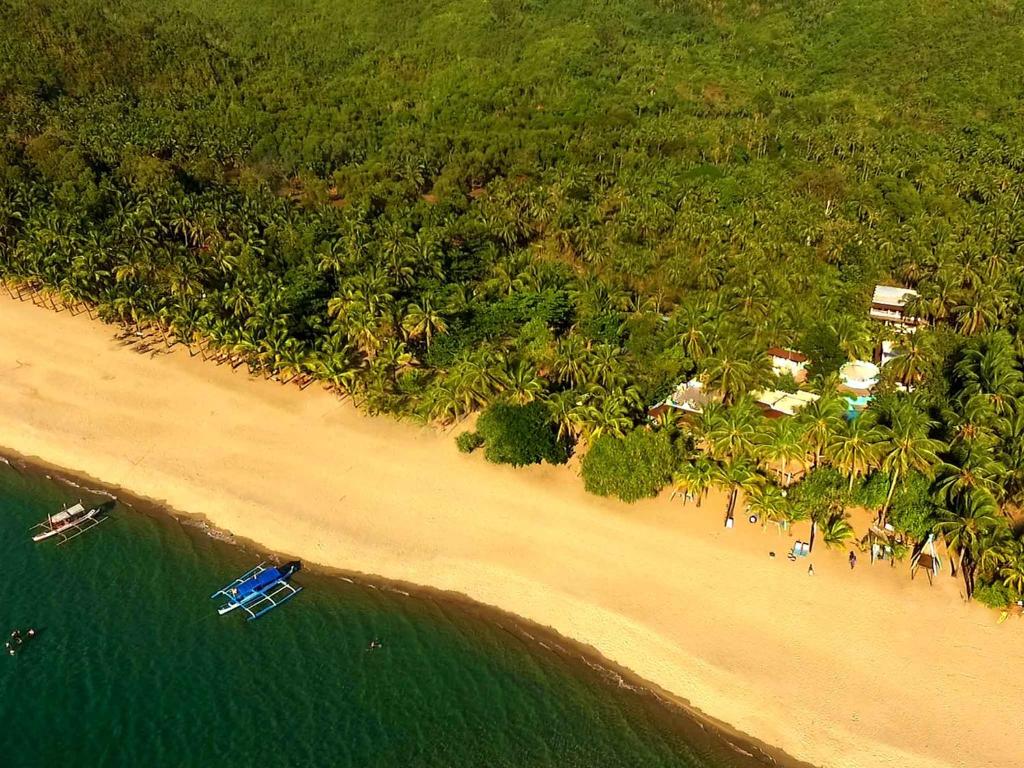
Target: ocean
{"type": "Point", "coordinates": [132, 666]}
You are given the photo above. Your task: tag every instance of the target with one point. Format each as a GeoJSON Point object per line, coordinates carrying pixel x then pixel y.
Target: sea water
{"type": "Point", "coordinates": [132, 666]}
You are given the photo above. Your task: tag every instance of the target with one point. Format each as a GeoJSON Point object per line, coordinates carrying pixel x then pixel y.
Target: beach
{"type": "Point", "coordinates": [857, 669]}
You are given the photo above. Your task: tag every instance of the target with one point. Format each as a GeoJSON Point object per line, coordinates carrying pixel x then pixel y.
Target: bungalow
{"type": "Point", "coordinates": [788, 361]}
{"type": "Point", "coordinates": [887, 306]}
{"type": "Point", "coordinates": [775, 403]}
{"type": "Point", "coordinates": [690, 397]}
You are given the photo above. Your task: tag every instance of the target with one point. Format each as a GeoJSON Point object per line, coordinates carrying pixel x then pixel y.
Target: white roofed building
{"type": "Point", "coordinates": [887, 306]}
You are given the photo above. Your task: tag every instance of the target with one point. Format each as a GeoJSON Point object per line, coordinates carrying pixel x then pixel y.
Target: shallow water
{"type": "Point", "coordinates": [132, 666]}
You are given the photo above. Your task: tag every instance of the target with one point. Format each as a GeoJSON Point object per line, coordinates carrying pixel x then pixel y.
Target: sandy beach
{"type": "Point", "coordinates": [861, 669]}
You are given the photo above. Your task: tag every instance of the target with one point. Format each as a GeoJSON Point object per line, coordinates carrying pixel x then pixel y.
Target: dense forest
{"type": "Point", "coordinates": [556, 211]}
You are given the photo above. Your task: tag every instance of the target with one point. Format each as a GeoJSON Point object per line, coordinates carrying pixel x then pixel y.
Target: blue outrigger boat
{"type": "Point", "coordinates": [260, 590]}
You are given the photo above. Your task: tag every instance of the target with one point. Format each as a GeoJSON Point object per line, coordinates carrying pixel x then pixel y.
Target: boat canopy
{"type": "Point", "coordinates": [67, 514]}
{"type": "Point", "coordinates": [260, 581]}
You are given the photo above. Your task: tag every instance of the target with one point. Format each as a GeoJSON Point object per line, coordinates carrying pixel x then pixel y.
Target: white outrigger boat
{"type": "Point", "coordinates": [67, 524]}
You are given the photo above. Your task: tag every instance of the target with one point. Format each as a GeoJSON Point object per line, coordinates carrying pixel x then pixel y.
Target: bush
{"type": "Point", "coordinates": [469, 441]}
{"type": "Point", "coordinates": [631, 468]}
{"type": "Point", "coordinates": [995, 595]}
{"type": "Point", "coordinates": [520, 434]}
{"type": "Point", "coordinates": [823, 488]}
{"type": "Point", "coordinates": [913, 513]}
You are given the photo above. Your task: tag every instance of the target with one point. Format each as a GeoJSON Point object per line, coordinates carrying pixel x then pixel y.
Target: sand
{"type": "Point", "coordinates": [860, 669]}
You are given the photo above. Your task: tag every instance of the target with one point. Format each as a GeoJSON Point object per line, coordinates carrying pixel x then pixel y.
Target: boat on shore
{"type": "Point", "coordinates": [260, 590]}
{"type": "Point", "coordinates": [67, 524]}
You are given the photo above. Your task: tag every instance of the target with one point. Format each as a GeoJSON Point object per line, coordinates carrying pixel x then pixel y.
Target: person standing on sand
{"type": "Point", "coordinates": [810, 570]}
{"type": "Point", "coordinates": [853, 559]}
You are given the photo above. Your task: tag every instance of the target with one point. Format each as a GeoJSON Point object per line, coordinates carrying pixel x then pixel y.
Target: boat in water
{"type": "Point", "coordinates": [67, 524]}
{"type": "Point", "coordinates": [260, 590]}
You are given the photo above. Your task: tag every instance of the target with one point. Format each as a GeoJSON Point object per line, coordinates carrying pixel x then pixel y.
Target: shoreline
{"type": "Point", "coordinates": [521, 627]}
{"type": "Point", "coordinates": [845, 669]}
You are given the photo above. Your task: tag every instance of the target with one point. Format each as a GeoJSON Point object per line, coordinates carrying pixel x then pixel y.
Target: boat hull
{"type": "Point", "coordinates": [68, 527]}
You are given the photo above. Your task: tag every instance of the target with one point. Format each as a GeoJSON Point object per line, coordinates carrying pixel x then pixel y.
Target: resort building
{"type": "Point", "coordinates": [776, 403]}
{"type": "Point", "coordinates": [788, 361]}
{"type": "Point", "coordinates": [689, 397]}
{"type": "Point", "coordinates": [858, 377]}
{"type": "Point", "coordinates": [887, 306]}
{"type": "Point", "coordinates": [857, 380]}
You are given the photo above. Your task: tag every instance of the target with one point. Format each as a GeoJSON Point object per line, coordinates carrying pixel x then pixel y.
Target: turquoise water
{"type": "Point", "coordinates": [133, 667]}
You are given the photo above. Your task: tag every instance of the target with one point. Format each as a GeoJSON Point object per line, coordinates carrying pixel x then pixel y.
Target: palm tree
{"type": "Point", "coordinates": [964, 528]}
{"type": "Point", "coordinates": [694, 478]}
{"type": "Point", "coordinates": [822, 419]}
{"type": "Point", "coordinates": [853, 337]}
{"type": "Point", "coordinates": [1012, 571]}
{"type": "Point", "coordinates": [854, 449]}
{"type": "Point", "coordinates": [968, 467]}
{"type": "Point", "coordinates": [914, 353]}
{"type": "Point", "coordinates": [770, 503]}
{"type": "Point", "coordinates": [783, 442]}
{"type": "Point", "coordinates": [902, 450]}
{"type": "Point", "coordinates": [731, 433]}
{"type": "Point", "coordinates": [524, 386]}
{"type": "Point", "coordinates": [836, 531]}
{"type": "Point", "coordinates": [730, 375]}
{"type": "Point", "coordinates": [422, 320]}
{"type": "Point", "coordinates": [736, 476]}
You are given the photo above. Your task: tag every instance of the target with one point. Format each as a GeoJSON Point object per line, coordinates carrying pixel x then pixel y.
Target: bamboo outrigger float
{"type": "Point", "coordinates": [260, 590]}
{"type": "Point", "coordinates": [67, 524]}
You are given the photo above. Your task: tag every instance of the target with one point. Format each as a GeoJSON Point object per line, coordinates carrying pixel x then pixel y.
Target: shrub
{"type": "Point", "coordinates": [995, 595]}
{"type": "Point", "coordinates": [469, 441]}
{"type": "Point", "coordinates": [913, 513]}
{"type": "Point", "coordinates": [631, 468]}
{"type": "Point", "coordinates": [520, 434]}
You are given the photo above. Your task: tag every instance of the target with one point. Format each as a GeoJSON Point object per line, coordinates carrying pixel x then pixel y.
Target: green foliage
{"type": "Point", "coordinates": [821, 345]}
{"type": "Point", "coordinates": [823, 490]}
{"type": "Point", "coordinates": [913, 512]}
{"type": "Point", "coordinates": [468, 442]}
{"type": "Point", "coordinates": [995, 595]}
{"type": "Point", "coordinates": [872, 491]}
{"type": "Point", "coordinates": [442, 206]}
{"type": "Point", "coordinates": [519, 435]}
{"type": "Point", "coordinates": [631, 468]}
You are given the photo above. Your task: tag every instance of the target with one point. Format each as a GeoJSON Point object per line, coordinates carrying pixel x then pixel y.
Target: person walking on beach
{"type": "Point", "coordinates": [853, 559]}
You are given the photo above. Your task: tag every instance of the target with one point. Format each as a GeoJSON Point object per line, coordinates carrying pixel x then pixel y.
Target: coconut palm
{"type": "Point", "coordinates": [782, 444]}
{"type": "Point", "coordinates": [732, 433]}
{"type": "Point", "coordinates": [694, 477]}
{"type": "Point", "coordinates": [770, 504]}
{"type": "Point", "coordinates": [1012, 570]}
{"type": "Point", "coordinates": [821, 420]}
{"type": "Point", "coordinates": [523, 384]}
{"type": "Point", "coordinates": [853, 337]}
{"type": "Point", "coordinates": [965, 528]}
{"type": "Point", "coordinates": [903, 449]}
{"type": "Point", "coordinates": [854, 449]}
{"type": "Point", "coordinates": [836, 531]}
{"type": "Point", "coordinates": [736, 476]}
{"type": "Point", "coordinates": [422, 320]}
{"type": "Point", "coordinates": [913, 355]}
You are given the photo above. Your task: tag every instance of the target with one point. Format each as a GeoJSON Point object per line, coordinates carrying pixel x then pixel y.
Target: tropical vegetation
{"type": "Point", "coordinates": [435, 209]}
